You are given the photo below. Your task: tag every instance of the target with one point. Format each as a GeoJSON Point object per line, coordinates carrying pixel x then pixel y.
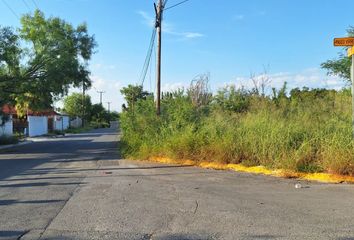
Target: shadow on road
{"type": "Point", "coordinates": [11, 234]}
{"type": "Point", "coordinates": [38, 184]}
{"type": "Point", "coordinates": [12, 201]}
{"type": "Point", "coordinates": [141, 237]}
{"type": "Point", "coordinates": [23, 160]}
{"type": "Point", "coordinates": [263, 237]}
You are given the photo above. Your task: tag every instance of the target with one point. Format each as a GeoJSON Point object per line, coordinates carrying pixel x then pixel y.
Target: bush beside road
{"type": "Point", "coordinates": [308, 131]}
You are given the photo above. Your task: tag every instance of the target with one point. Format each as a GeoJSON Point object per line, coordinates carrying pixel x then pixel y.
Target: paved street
{"type": "Point", "coordinates": [78, 187]}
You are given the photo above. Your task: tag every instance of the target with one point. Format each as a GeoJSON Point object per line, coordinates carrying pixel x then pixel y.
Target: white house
{"type": "Point", "coordinates": [61, 122]}
{"type": "Point", "coordinates": [37, 125]}
{"type": "Point", "coordinates": [76, 123]}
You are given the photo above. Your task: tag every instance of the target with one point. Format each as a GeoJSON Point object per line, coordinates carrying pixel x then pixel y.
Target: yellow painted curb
{"type": "Point", "coordinates": [318, 177]}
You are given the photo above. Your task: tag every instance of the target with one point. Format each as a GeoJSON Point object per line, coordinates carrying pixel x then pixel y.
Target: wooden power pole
{"type": "Point", "coordinates": [352, 78]}
{"type": "Point", "coordinates": [83, 105]}
{"type": "Point", "coordinates": [158, 26]}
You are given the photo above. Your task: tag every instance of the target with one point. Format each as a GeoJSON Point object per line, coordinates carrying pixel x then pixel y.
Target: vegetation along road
{"type": "Point", "coordinates": [78, 187]}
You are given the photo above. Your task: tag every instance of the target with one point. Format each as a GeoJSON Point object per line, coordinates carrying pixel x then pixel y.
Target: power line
{"type": "Point", "coordinates": [9, 7]}
{"type": "Point", "coordinates": [148, 57]}
{"type": "Point", "coordinates": [152, 42]}
{"type": "Point", "coordinates": [175, 5]}
{"type": "Point", "coordinates": [165, 2]}
{"type": "Point", "coordinates": [155, 67]}
{"type": "Point", "coordinates": [150, 88]}
{"type": "Point", "coordinates": [24, 1]}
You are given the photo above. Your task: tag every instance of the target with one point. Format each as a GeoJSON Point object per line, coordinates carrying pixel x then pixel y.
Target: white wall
{"type": "Point", "coordinates": [114, 124]}
{"type": "Point", "coordinates": [62, 124]}
{"type": "Point", "coordinates": [37, 126]}
{"type": "Point", "coordinates": [7, 129]}
{"type": "Point", "coordinates": [76, 123]}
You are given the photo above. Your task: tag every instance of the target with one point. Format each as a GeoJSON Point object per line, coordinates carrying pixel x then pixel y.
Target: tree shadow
{"type": "Point", "coordinates": [135, 236]}
{"type": "Point", "coordinates": [38, 184]}
{"type": "Point", "coordinates": [24, 159]}
{"type": "Point", "coordinates": [11, 234]}
{"type": "Point", "coordinates": [262, 237]}
{"type": "Point", "coordinates": [12, 202]}
{"type": "Point", "coordinates": [181, 237]}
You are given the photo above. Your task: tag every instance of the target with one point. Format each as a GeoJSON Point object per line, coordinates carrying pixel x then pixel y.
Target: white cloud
{"type": "Point", "coordinates": [168, 28]}
{"type": "Point", "coordinates": [97, 82]}
{"type": "Point", "coordinates": [101, 66]}
{"type": "Point", "coordinates": [192, 35]}
{"type": "Point", "coordinates": [170, 87]}
{"type": "Point", "coordinates": [239, 17]}
{"type": "Point", "coordinates": [97, 66]}
{"type": "Point", "coordinates": [111, 67]}
{"type": "Point", "coordinates": [111, 93]}
{"type": "Point", "coordinates": [147, 19]}
{"type": "Point", "coordinates": [311, 77]}
{"type": "Point", "coordinates": [118, 85]}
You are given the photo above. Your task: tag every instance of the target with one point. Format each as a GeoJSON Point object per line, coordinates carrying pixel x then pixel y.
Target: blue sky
{"type": "Point", "coordinates": [229, 39]}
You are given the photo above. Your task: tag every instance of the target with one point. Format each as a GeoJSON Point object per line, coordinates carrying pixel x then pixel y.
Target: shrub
{"type": "Point", "coordinates": [8, 140]}
{"type": "Point", "coordinates": [306, 131]}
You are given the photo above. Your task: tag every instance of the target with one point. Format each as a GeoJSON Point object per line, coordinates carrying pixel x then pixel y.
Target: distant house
{"type": "Point", "coordinates": [37, 123]}
{"type": "Point", "coordinates": [61, 122]}
{"type": "Point", "coordinates": [76, 122]}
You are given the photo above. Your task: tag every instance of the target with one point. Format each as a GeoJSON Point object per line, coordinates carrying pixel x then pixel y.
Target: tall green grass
{"type": "Point", "coordinates": [307, 131]}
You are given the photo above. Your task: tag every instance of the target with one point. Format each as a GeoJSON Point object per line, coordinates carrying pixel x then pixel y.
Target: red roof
{"type": "Point", "coordinates": [7, 109]}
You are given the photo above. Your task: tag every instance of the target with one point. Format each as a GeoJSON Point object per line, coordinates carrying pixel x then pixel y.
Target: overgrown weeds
{"type": "Point", "coordinates": [307, 130]}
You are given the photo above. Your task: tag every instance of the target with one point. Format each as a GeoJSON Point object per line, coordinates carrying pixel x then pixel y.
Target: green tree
{"type": "Point", "coordinates": [74, 107]}
{"type": "Point", "coordinates": [99, 116]}
{"type": "Point", "coordinates": [340, 66]}
{"type": "Point", "coordinates": [55, 58]}
{"type": "Point", "coordinates": [113, 116]}
{"type": "Point", "coordinates": [232, 99]}
{"type": "Point", "coordinates": [9, 64]}
{"type": "Point", "coordinates": [132, 94]}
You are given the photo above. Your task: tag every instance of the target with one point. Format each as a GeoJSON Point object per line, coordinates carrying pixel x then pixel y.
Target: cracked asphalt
{"type": "Point", "coordinates": [78, 187]}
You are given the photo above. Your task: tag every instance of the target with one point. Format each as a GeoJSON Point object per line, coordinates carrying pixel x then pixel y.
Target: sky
{"type": "Point", "coordinates": [228, 39]}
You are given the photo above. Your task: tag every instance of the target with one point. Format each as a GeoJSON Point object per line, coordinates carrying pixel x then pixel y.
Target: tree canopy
{"type": "Point", "coordinates": [74, 105]}
{"type": "Point", "coordinates": [132, 94]}
{"type": "Point", "coordinates": [42, 60]}
{"type": "Point", "coordinates": [340, 66]}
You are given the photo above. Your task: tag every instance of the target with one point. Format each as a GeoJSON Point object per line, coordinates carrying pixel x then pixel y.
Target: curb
{"type": "Point", "coordinates": [15, 145]}
{"type": "Point", "coordinates": [281, 173]}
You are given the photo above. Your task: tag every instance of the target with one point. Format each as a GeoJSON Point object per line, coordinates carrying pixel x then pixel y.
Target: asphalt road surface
{"type": "Point", "coordinates": [78, 187]}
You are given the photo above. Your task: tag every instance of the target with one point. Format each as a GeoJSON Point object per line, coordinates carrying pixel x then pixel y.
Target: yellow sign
{"type": "Point", "coordinates": [350, 51]}
{"type": "Point", "coordinates": [348, 41]}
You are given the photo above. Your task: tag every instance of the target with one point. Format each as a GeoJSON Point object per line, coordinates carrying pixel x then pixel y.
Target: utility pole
{"type": "Point", "coordinates": [109, 106]}
{"type": "Point", "coordinates": [83, 104]}
{"type": "Point", "coordinates": [349, 43]}
{"type": "Point", "coordinates": [352, 78]}
{"type": "Point", "coordinates": [100, 92]}
{"type": "Point", "coordinates": [158, 26]}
